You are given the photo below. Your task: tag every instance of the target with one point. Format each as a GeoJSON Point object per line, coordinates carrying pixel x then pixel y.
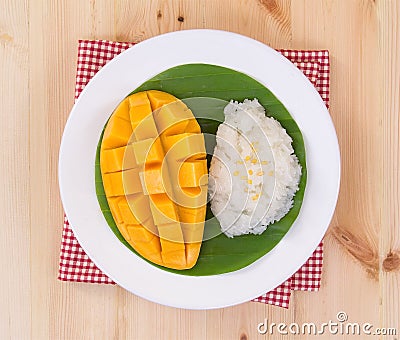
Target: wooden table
{"type": "Point", "coordinates": [38, 41]}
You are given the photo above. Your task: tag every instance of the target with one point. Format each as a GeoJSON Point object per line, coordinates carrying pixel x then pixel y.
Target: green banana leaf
{"type": "Point", "coordinates": [220, 254]}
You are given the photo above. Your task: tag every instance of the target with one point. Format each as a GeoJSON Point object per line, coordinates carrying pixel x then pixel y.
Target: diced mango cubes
{"type": "Point", "coordinates": [154, 172]}
{"type": "Point", "coordinates": [117, 133]}
{"type": "Point", "coordinates": [148, 151]}
{"type": "Point", "coordinates": [117, 159]}
{"type": "Point", "coordinates": [185, 146]}
{"type": "Point", "coordinates": [192, 174]}
{"type": "Point", "coordinates": [120, 183]}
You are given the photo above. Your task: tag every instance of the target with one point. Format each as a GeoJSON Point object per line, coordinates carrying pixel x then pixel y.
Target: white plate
{"type": "Point", "coordinates": [132, 68]}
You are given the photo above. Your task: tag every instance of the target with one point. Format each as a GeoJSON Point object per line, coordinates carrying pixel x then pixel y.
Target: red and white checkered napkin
{"type": "Point", "coordinates": [76, 266]}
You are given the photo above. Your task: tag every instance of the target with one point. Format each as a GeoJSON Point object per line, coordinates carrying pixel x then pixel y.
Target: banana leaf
{"type": "Point", "coordinates": [220, 254]}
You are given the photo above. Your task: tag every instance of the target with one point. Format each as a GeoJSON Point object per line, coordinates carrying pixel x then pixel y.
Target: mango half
{"type": "Point", "coordinates": [154, 171]}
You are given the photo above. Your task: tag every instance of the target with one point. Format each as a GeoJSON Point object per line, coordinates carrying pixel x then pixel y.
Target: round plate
{"type": "Point", "coordinates": [125, 73]}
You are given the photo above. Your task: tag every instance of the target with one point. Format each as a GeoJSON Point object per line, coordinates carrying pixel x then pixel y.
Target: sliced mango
{"type": "Point", "coordinates": [148, 151]}
{"type": "Point", "coordinates": [186, 146]}
{"type": "Point", "coordinates": [140, 234]}
{"type": "Point", "coordinates": [117, 132]}
{"type": "Point", "coordinates": [163, 210]}
{"type": "Point", "coordinates": [126, 213]}
{"type": "Point", "coordinates": [174, 118]}
{"type": "Point", "coordinates": [122, 111]}
{"type": "Point", "coordinates": [140, 207]}
{"type": "Point", "coordinates": [118, 159]}
{"type": "Point", "coordinates": [172, 232]}
{"type": "Point", "coordinates": [191, 174]}
{"type": "Point", "coordinates": [113, 203]}
{"type": "Point", "coordinates": [139, 108]}
{"type": "Point", "coordinates": [152, 160]}
{"type": "Point", "coordinates": [122, 183]}
{"type": "Point", "coordinates": [158, 99]}
{"type": "Point", "coordinates": [152, 181]}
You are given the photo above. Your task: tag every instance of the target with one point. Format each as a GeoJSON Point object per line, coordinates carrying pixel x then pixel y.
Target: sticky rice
{"type": "Point", "coordinates": [254, 173]}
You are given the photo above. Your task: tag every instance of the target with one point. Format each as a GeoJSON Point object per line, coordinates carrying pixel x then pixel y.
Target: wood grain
{"type": "Point", "coordinates": [38, 40]}
{"type": "Point", "coordinates": [389, 244]}
{"type": "Point", "coordinates": [14, 171]}
{"type": "Point", "coordinates": [54, 30]}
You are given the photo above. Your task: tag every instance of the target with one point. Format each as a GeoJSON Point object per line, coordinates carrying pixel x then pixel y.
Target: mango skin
{"type": "Point", "coordinates": [152, 161]}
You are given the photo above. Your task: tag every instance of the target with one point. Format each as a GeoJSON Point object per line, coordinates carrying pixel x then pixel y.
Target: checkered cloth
{"type": "Point", "coordinates": [76, 266]}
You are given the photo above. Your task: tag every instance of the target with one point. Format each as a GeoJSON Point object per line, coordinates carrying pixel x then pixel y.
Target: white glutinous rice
{"type": "Point", "coordinates": [254, 173]}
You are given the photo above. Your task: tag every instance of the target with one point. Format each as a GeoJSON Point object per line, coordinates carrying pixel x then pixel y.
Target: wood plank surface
{"type": "Point", "coordinates": [15, 289]}
{"type": "Point", "coordinates": [389, 238]}
{"type": "Point", "coordinates": [38, 41]}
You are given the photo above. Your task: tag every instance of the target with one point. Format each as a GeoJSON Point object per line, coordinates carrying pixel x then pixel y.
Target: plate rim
{"type": "Point", "coordinates": [205, 35]}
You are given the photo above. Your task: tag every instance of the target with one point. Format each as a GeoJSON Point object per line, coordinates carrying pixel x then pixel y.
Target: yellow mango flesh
{"type": "Point", "coordinates": [191, 174]}
{"type": "Point", "coordinates": [154, 171]}
{"type": "Point", "coordinates": [113, 159]}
